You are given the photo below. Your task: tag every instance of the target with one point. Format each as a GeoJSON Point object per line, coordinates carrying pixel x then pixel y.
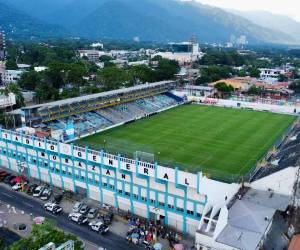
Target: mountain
{"type": "Point", "coordinates": [152, 20]}
{"type": "Point", "coordinates": [19, 25]}
{"type": "Point", "coordinates": [273, 21]}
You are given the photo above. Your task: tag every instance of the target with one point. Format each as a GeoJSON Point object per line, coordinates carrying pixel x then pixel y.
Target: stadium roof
{"type": "Point", "coordinates": [95, 96]}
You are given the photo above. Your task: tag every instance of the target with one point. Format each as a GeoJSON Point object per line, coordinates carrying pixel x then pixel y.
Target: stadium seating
{"type": "Point", "coordinates": [93, 121]}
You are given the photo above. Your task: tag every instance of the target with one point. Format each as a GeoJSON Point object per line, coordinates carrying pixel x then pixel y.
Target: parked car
{"type": "Point", "coordinates": [106, 206]}
{"type": "Point", "coordinates": [38, 191]}
{"type": "Point", "coordinates": [31, 189]}
{"type": "Point", "coordinates": [19, 186]}
{"type": "Point", "coordinates": [77, 207]}
{"type": "Point", "coordinates": [107, 219]}
{"type": "Point", "coordinates": [95, 225]}
{"type": "Point", "coordinates": [8, 178]}
{"type": "Point", "coordinates": [92, 213]}
{"type": "Point", "coordinates": [78, 218]}
{"type": "Point", "coordinates": [46, 194]}
{"type": "Point", "coordinates": [3, 175]}
{"type": "Point", "coordinates": [57, 198]}
{"type": "Point", "coordinates": [53, 208]}
{"type": "Point", "coordinates": [84, 209]}
{"type": "Point", "coordinates": [103, 228]}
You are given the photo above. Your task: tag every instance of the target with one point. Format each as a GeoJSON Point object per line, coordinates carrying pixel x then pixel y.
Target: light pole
{"type": "Point", "coordinates": [104, 144]}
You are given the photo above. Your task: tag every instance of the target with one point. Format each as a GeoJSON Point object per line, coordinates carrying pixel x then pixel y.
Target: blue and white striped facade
{"type": "Point", "coordinates": [182, 199]}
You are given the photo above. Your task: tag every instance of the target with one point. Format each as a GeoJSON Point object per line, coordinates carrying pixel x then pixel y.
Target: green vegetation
{"type": "Point", "coordinates": [193, 137]}
{"type": "Point", "coordinates": [68, 76]}
{"type": "Point", "coordinates": [41, 235]}
{"type": "Point", "coordinates": [213, 74]}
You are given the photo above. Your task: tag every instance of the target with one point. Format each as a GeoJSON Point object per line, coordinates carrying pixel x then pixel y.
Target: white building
{"type": "Point", "coordinates": [40, 68]}
{"type": "Point", "coordinates": [142, 62]}
{"type": "Point", "coordinates": [92, 55]}
{"type": "Point", "coordinates": [97, 45]}
{"type": "Point", "coordinates": [271, 72]}
{"type": "Point", "coordinates": [24, 67]}
{"type": "Point", "coordinates": [7, 101]}
{"type": "Point", "coordinates": [185, 52]}
{"type": "Point", "coordinates": [11, 76]}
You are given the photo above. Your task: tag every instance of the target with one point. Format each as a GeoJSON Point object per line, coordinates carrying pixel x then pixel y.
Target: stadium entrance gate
{"type": "Point", "coordinates": [157, 218]}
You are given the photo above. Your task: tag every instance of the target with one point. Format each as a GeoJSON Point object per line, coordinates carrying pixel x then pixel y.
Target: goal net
{"type": "Point", "coordinates": [144, 156]}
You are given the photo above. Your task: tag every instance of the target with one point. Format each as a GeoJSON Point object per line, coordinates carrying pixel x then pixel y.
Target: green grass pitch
{"type": "Point", "coordinates": [196, 138]}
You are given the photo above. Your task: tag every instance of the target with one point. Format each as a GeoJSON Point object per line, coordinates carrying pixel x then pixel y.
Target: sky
{"type": "Point", "coordinates": [290, 8]}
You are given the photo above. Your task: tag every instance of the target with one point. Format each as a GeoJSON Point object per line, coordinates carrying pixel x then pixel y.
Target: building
{"type": "Point", "coordinates": [272, 72]}
{"type": "Point", "coordinates": [135, 63]}
{"type": "Point", "coordinates": [11, 76]}
{"type": "Point", "coordinates": [92, 55]}
{"type": "Point", "coordinates": [192, 90]}
{"type": "Point", "coordinates": [2, 46]}
{"type": "Point", "coordinates": [184, 53]}
{"type": "Point", "coordinates": [24, 67]}
{"type": "Point", "coordinates": [7, 101]}
{"type": "Point", "coordinates": [97, 45]}
{"type": "Point", "coordinates": [69, 245]}
{"type": "Point", "coordinates": [244, 224]}
{"type": "Point", "coordinates": [295, 243]}
{"type": "Point", "coordinates": [40, 68]}
{"type": "Point", "coordinates": [172, 196]}
{"type": "Point", "coordinates": [2, 71]}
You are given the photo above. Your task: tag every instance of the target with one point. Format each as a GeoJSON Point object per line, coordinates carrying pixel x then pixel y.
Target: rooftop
{"type": "Point", "coordinates": [98, 95]}
{"type": "Point", "coordinates": [250, 217]}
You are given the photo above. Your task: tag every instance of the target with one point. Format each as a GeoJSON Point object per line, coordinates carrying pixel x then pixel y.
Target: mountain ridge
{"type": "Point", "coordinates": [150, 20]}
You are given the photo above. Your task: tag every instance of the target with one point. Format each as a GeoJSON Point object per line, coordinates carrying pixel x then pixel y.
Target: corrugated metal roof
{"type": "Point", "coordinates": [95, 96]}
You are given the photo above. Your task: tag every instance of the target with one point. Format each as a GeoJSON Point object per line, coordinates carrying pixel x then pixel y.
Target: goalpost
{"type": "Point", "coordinates": [144, 156]}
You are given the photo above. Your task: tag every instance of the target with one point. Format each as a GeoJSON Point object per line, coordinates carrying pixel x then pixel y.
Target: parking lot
{"type": "Point", "coordinates": [85, 217]}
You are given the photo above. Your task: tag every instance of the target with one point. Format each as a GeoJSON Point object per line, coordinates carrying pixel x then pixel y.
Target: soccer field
{"type": "Point", "coordinates": [196, 138]}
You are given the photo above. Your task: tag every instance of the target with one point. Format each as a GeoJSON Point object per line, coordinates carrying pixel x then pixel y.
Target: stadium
{"type": "Point", "coordinates": [160, 152]}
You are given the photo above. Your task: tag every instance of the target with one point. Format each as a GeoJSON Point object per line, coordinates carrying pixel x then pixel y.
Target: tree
{"type": "Point", "coordinates": [41, 235]}
{"type": "Point", "coordinates": [140, 74]}
{"type": "Point", "coordinates": [224, 88]}
{"type": "Point", "coordinates": [295, 86]}
{"type": "Point", "coordinates": [282, 78]}
{"type": "Point", "coordinates": [105, 58]}
{"type": "Point", "coordinates": [213, 73]}
{"type": "Point", "coordinates": [29, 80]}
{"type": "Point", "coordinates": [166, 69]}
{"type": "Point", "coordinates": [254, 72]}
{"type": "Point", "coordinates": [11, 64]}
{"type": "Point", "coordinates": [112, 77]}
{"type": "Point", "coordinates": [253, 90]}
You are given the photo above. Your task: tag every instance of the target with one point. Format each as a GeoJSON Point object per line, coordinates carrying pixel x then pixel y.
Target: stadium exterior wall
{"type": "Point", "coordinates": [180, 199]}
{"type": "Point", "coordinates": [282, 109]}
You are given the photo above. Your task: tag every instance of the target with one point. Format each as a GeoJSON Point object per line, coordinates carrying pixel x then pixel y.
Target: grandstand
{"type": "Point", "coordinates": [93, 113]}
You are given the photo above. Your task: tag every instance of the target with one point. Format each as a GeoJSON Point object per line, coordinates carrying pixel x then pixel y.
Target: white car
{"type": "Point", "coordinates": [96, 225]}
{"type": "Point", "coordinates": [77, 207]}
{"type": "Point", "coordinates": [46, 194]}
{"type": "Point", "coordinates": [78, 218]}
{"type": "Point", "coordinates": [53, 208]}
{"type": "Point", "coordinates": [18, 186]}
{"type": "Point", "coordinates": [106, 206]}
{"type": "Point", "coordinates": [38, 191]}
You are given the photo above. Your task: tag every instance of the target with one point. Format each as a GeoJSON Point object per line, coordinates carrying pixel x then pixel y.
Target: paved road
{"type": "Point", "coordinates": [109, 241]}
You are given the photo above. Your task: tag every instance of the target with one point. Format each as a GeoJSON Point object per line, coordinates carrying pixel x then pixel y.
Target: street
{"type": "Point", "coordinates": [28, 205]}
